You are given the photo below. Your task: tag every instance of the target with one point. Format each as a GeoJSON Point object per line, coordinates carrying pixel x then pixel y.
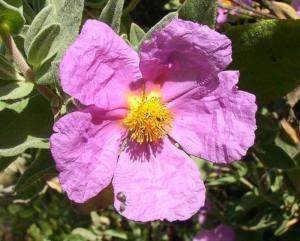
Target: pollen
{"type": "Point", "coordinates": [148, 120]}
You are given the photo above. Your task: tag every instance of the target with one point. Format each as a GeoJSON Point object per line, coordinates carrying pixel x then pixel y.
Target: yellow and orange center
{"type": "Point", "coordinates": [227, 2]}
{"type": "Point", "coordinates": [148, 119]}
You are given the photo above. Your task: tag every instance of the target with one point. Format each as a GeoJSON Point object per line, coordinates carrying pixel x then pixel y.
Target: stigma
{"type": "Point", "coordinates": [148, 119]}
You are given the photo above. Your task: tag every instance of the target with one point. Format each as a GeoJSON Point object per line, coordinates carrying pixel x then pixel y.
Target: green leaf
{"type": "Point", "coordinates": [68, 15]}
{"type": "Point", "coordinates": [200, 11]}
{"type": "Point", "coordinates": [161, 24]}
{"type": "Point", "coordinates": [112, 13]}
{"type": "Point", "coordinates": [15, 90]}
{"type": "Point", "coordinates": [274, 156]}
{"type": "Point", "coordinates": [40, 46]}
{"type": "Point", "coordinates": [117, 234]}
{"type": "Point", "coordinates": [45, 73]}
{"type": "Point", "coordinates": [85, 233]}
{"type": "Point", "coordinates": [7, 70]}
{"type": "Point", "coordinates": [45, 17]}
{"type": "Point", "coordinates": [269, 68]}
{"type": "Point", "coordinates": [30, 142]}
{"type": "Point", "coordinates": [11, 18]}
{"type": "Point", "coordinates": [38, 5]}
{"type": "Point", "coordinates": [18, 106]}
{"type": "Point", "coordinates": [30, 129]}
{"type": "Point", "coordinates": [266, 131]}
{"type": "Point", "coordinates": [136, 34]}
{"type": "Point", "coordinates": [41, 166]}
{"type": "Point", "coordinates": [5, 162]}
{"type": "Point", "coordinates": [95, 3]}
{"type": "Point", "coordinates": [223, 181]}
{"type": "Point", "coordinates": [28, 12]}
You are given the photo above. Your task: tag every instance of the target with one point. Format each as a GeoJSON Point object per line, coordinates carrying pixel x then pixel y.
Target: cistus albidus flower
{"type": "Point", "coordinates": [220, 233]}
{"type": "Point", "coordinates": [223, 13]}
{"type": "Point", "coordinates": [296, 5]}
{"type": "Point", "coordinates": [174, 91]}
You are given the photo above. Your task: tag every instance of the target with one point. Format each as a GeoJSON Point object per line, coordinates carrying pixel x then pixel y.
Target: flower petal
{"type": "Point", "coordinates": [85, 150]}
{"type": "Point", "coordinates": [157, 182]}
{"type": "Point", "coordinates": [218, 127]}
{"type": "Point", "coordinates": [99, 65]}
{"type": "Point", "coordinates": [184, 55]}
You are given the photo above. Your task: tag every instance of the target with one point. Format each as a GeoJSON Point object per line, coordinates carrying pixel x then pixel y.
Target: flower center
{"type": "Point", "coordinates": [227, 2]}
{"type": "Point", "coordinates": [148, 118]}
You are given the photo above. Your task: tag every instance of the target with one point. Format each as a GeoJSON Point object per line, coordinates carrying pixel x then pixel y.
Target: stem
{"type": "Point", "coordinates": [247, 7]}
{"type": "Point", "coordinates": [18, 58]}
{"type": "Point", "coordinates": [274, 9]}
{"type": "Point", "coordinates": [246, 12]}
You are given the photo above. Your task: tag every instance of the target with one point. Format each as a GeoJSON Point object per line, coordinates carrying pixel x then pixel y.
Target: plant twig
{"type": "Point", "coordinates": [247, 7]}
{"type": "Point", "coordinates": [18, 58]}
{"type": "Point", "coordinates": [242, 11]}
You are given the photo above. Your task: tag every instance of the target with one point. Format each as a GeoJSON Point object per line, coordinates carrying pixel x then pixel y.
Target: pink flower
{"type": "Point", "coordinates": [174, 91]}
{"type": "Point", "coordinates": [296, 5]}
{"type": "Point", "coordinates": [219, 233]}
{"type": "Point", "coordinates": [223, 13]}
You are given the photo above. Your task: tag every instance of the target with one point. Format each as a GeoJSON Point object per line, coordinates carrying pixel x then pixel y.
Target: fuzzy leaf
{"type": "Point", "coordinates": [112, 13]}
{"type": "Point", "coordinates": [136, 34]}
{"type": "Point", "coordinates": [15, 90]}
{"type": "Point", "coordinates": [273, 156]}
{"type": "Point", "coordinates": [41, 166]}
{"type": "Point", "coordinates": [68, 15]}
{"type": "Point", "coordinates": [7, 70]}
{"type": "Point", "coordinates": [39, 49]}
{"type": "Point", "coordinates": [200, 11]}
{"type": "Point", "coordinates": [11, 17]}
{"type": "Point", "coordinates": [45, 17]}
{"type": "Point", "coordinates": [161, 24]}
{"type": "Point", "coordinates": [30, 129]}
{"type": "Point", "coordinates": [267, 54]}
{"type": "Point", "coordinates": [18, 106]}
{"type": "Point", "coordinates": [30, 142]}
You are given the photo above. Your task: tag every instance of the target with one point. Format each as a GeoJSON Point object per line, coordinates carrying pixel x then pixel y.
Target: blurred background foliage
{"type": "Point", "coordinates": [257, 196]}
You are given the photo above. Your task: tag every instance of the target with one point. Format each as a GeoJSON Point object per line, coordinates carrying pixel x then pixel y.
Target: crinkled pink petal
{"type": "Point", "coordinates": [220, 233]}
{"type": "Point", "coordinates": [218, 127]}
{"type": "Point", "coordinates": [99, 67]}
{"type": "Point", "coordinates": [85, 150]}
{"type": "Point", "coordinates": [183, 55]}
{"type": "Point", "coordinates": [159, 182]}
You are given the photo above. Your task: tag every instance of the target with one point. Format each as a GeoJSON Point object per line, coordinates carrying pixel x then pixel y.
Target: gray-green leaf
{"type": "Point", "coordinates": [39, 48]}
{"type": "Point", "coordinates": [112, 13]}
{"type": "Point", "coordinates": [68, 15]}
{"type": "Point", "coordinates": [44, 18]}
{"type": "Point", "coordinates": [200, 11]}
{"type": "Point", "coordinates": [30, 142]}
{"type": "Point", "coordinates": [15, 90]}
{"type": "Point", "coordinates": [41, 166]}
{"type": "Point", "coordinates": [273, 156]}
{"type": "Point", "coordinates": [7, 70]}
{"type": "Point", "coordinates": [161, 24]}
{"type": "Point", "coordinates": [30, 129]}
{"type": "Point", "coordinates": [136, 34]}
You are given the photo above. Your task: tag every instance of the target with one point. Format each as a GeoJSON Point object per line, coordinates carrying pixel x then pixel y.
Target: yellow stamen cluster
{"type": "Point", "coordinates": [227, 2]}
{"type": "Point", "coordinates": [148, 118]}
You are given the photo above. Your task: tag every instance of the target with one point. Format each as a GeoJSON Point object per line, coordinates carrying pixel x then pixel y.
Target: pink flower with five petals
{"type": "Point", "coordinates": [174, 91]}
